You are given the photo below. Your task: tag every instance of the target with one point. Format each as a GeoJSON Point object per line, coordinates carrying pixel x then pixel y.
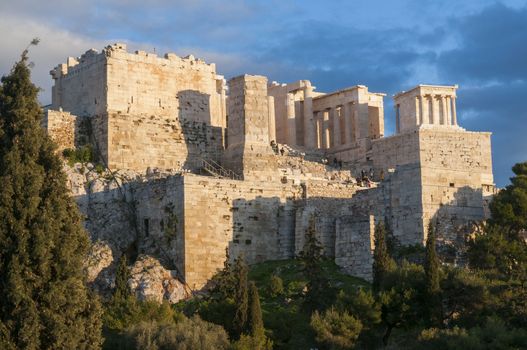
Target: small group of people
{"type": "Point", "coordinates": [337, 163]}
{"type": "Point", "coordinates": [366, 178]}
{"type": "Point", "coordinates": [274, 146]}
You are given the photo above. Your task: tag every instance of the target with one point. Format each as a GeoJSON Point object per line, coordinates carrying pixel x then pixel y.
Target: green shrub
{"type": "Point", "coordinates": [188, 333]}
{"type": "Point", "coordinates": [82, 154]}
{"type": "Point", "coordinates": [99, 168]}
{"type": "Point", "coordinates": [276, 286]}
{"type": "Point", "coordinates": [338, 330]}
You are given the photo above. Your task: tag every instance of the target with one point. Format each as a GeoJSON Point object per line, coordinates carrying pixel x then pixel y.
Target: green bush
{"type": "Point", "coordinates": [276, 286]}
{"type": "Point", "coordinates": [186, 334]}
{"type": "Point", "coordinates": [82, 154]}
{"type": "Point", "coordinates": [338, 330]}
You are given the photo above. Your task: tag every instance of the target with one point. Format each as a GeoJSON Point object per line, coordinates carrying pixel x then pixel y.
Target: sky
{"type": "Point", "coordinates": [389, 46]}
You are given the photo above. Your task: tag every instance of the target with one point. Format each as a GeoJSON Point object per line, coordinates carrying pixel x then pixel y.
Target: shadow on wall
{"type": "Point", "coordinates": [455, 220]}
{"type": "Point", "coordinates": [164, 141]}
{"type": "Point", "coordinates": [203, 140]}
{"type": "Point", "coordinates": [273, 229]}
{"type": "Point", "coordinates": [127, 216]}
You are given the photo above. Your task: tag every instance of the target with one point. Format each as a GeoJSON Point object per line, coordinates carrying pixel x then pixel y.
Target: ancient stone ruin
{"type": "Point", "coordinates": [196, 165]}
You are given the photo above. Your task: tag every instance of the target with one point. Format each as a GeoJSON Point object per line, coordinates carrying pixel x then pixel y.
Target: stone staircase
{"type": "Point", "coordinates": [213, 168]}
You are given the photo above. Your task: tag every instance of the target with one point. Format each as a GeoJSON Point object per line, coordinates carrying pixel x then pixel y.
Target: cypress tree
{"type": "Point", "coordinates": [381, 259]}
{"type": "Point", "coordinates": [256, 325]}
{"type": "Point", "coordinates": [318, 287]}
{"type": "Point", "coordinates": [242, 295]}
{"type": "Point", "coordinates": [122, 292]}
{"type": "Point", "coordinates": [44, 302]}
{"type": "Point", "coordinates": [432, 276]}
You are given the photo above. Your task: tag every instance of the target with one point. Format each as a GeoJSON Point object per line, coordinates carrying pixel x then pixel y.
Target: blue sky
{"type": "Point", "coordinates": [387, 45]}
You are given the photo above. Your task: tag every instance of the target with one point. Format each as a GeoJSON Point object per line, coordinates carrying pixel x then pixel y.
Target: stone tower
{"type": "Point", "coordinates": [248, 149]}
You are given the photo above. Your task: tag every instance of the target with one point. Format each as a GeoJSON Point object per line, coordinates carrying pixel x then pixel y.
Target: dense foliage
{"type": "Point", "coordinates": [44, 302]}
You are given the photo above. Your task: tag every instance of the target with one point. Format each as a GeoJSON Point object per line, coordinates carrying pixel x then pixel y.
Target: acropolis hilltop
{"type": "Point", "coordinates": [204, 164]}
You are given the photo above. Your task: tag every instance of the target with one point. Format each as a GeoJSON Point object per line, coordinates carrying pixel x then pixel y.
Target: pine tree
{"type": "Point", "coordinates": [432, 275]}
{"type": "Point", "coordinates": [509, 206]}
{"type": "Point", "coordinates": [122, 291]}
{"type": "Point", "coordinates": [382, 261]}
{"type": "Point", "coordinates": [44, 300]}
{"type": "Point", "coordinates": [242, 295]}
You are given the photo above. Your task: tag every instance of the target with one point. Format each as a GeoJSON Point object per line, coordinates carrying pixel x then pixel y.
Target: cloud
{"type": "Point", "coordinates": [489, 62]}
{"type": "Point", "coordinates": [56, 44]}
{"type": "Point", "coordinates": [493, 46]}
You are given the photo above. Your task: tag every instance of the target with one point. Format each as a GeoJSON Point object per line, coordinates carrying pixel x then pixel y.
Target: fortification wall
{"type": "Point", "coordinates": [456, 168]}
{"type": "Point", "coordinates": [141, 141]}
{"type": "Point", "coordinates": [248, 149]}
{"type": "Point", "coordinates": [143, 83]}
{"type": "Point", "coordinates": [390, 152]}
{"type": "Point", "coordinates": [140, 83]}
{"type": "Point", "coordinates": [355, 245]}
{"type": "Point", "coordinates": [247, 217]}
{"type": "Point", "coordinates": [80, 85]}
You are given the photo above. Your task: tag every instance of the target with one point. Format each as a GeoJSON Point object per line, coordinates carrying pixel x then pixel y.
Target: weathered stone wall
{"type": "Point", "coordinates": [355, 245]}
{"type": "Point", "coordinates": [139, 83]}
{"type": "Point", "coordinates": [143, 83]}
{"type": "Point", "coordinates": [248, 146]}
{"type": "Point", "coordinates": [455, 167]}
{"type": "Point", "coordinates": [141, 141]}
{"type": "Point", "coordinates": [249, 217]}
{"type": "Point", "coordinates": [60, 126]}
{"type": "Point", "coordinates": [80, 85]}
{"type": "Point", "coordinates": [67, 130]}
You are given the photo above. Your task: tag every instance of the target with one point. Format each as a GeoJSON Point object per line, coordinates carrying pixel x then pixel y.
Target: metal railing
{"type": "Point", "coordinates": [217, 170]}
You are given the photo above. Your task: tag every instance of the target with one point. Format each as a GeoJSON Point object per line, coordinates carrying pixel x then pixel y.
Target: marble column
{"type": "Point", "coordinates": [397, 119]}
{"type": "Point", "coordinates": [318, 131]}
{"type": "Point", "coordinates": [446, 120]}
{"type": "Point", "coordinates": [325, 129]}
{"type": "Point", "coordinates": [418, 110]}
{"type": "Point", "coordinates": [336, 126]}
{"type": "Point", "coordinates": [355, 122]}
{"type": "Point", "coordinates": [346, 114]}
{"type": "Point", "coordinates": [291, 121]}
{"type": "Point", "coordinates": [448, 103]}
{"type": "Point", "coordinates": [271, 117]}
{"type": "Point", "coordinates": [425, 110]}
{"type": "Point", "coordinates": [454, 115]}
{"type": "Point", "coordinates": [309, 121]}
{"type": "Point", "coordinates": [436, 109]}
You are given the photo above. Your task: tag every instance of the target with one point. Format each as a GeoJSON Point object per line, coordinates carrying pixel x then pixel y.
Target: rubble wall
{"type": "Point", "coordinates": [60, 126]}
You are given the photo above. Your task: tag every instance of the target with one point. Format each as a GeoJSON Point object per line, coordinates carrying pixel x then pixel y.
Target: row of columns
{"type": "Point", "coordinates": [329, 124]}
{"type": "Point", "coordinates": [436, 109]}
